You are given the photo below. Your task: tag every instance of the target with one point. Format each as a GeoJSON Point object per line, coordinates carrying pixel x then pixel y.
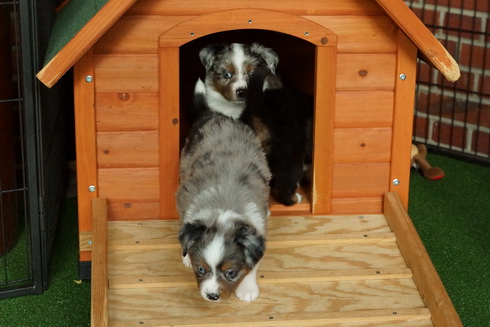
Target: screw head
{"type": "Point", "coordinates": [89, 78]}
{"type": "Point", "coordinates": [396, 182]}
{"type": "Point", "coordinates": [403, 77]}
{"type": "Point", "coordinates": [92, 188]}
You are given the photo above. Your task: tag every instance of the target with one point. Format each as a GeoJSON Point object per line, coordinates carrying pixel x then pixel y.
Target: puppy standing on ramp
{"type": "Point", "coordinates": [223, 206]}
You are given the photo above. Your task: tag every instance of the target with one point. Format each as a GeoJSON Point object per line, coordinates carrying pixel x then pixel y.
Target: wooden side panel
{"type": "Point", "coordinates": [403, 117]}
{"type": "Point", "coordinates": [424, 273]}
{"type": "Point", "coordinates": [360, 206]}
{"type": "Point", "coordinates": [362, 145]}
{"type": "Point", "coordinates": [364, 109]}
{"type": "Point", "coordinates": [85, 140]}
{"type": "Point", "coordinates": [129, 184]}
{"type": "Point", "coordinates": [127, 149]}
{"type": "Point", "coordinates": [360, 34]}
{"type": "Point", "coordinates": [319, 7]}
{"type": "Point", "coordinates": [169, 131]}
{"type": "Point", "coordinates": [126, 111]}
{"type": "Point", "coordinates": [366, 72]}
{"type": "Point", "coordinates": [136, 34]}
{"type": "Point", "coordinates": [127, 73]}
{"type": "Point", "coordinates": [360, 180]}
{"type": "Point", "coordinates": [323, 130]}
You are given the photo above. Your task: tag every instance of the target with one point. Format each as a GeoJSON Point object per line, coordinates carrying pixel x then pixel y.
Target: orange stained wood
{"type": "Point", "coordinates": [126, 73]}
{"type": "Point", "coordinates": [127, 149]}
{"type": "Point", "coordinates": [430, 47]}
{"type": "Point", "coordinates": [85, 137]}
{"type": "Point", "coordinates": [169, 130]}
{"type": "Point", "coordinates": [314, 7]}
{"type": "Point", "coordinates": [360, 180]}
{"type": "Point", "coordinates": [243, 19]}
{"type": "Point", "coordinates": [403, 117]}
{"type": "Point", "coordinates": [360, 206]}
{"type": "Point", "coordinates": [129, 184]}
{"type": "Point", "coordinates": [127, 111]}
{"type": "Point", "coordinates": [374, 71]}
{"type": "Point", "coordinates": [83, 41]}
{"type": "Point", "coordinates": [364, 109]}
{"type": "Point", "coordinates": [133, 210]}
{"type": "Point", "coordinates": [323, 130]}
{"type": "Point", "coordinates": [362, 144]}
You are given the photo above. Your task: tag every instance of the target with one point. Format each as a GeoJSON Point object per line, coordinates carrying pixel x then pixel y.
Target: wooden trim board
{"type": "Point", "coordinates": [318, 270]}
{"type": "Point", "coordinates": [424, 273]}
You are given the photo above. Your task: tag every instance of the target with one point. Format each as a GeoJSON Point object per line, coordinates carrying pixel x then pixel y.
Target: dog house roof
{"type": "Point", "coordinates": [81, 23]}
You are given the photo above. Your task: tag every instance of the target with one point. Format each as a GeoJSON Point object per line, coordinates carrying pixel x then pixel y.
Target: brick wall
{"type": "Point", "coordinates": [456, 116]}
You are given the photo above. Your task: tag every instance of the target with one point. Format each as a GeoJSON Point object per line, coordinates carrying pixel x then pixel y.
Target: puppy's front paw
{"type": "Point", "coordinates": [187, 261]}
{"type": "Point", "coordinates": [247, 291]}
{"type": "Point", "coordinates": [299, 198]}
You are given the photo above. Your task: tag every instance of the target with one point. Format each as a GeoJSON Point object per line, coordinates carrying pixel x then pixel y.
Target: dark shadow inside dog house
{"type": "Point", "coordinates": [296, 68]}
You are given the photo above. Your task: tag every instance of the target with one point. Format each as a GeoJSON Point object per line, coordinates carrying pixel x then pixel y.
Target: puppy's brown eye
{"type": "Point", "coordinates": [227, 75]}
{"type": "Point", "coordinates": [231, 274]}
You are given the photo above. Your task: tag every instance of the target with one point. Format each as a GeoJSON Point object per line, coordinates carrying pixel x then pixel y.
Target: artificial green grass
{"type": "Point", "coordinates": [452, 217]}
{"type": "Point", "coordinates": [67, 301]}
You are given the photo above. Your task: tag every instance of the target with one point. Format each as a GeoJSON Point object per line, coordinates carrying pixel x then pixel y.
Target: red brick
{"type": "Point", "coordinates": [420, 126]}
{"type": "Point", "coordinates": [449, 135]}
{"type": "Point", "coordinates": [481, 5]}
{"type": "Point", "coordinates": [481, 142]}
{"type": "Point", "coordinates": [474, 55]}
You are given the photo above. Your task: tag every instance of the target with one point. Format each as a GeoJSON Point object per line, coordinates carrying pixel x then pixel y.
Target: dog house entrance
{"type": "Point", "coordinates": [307, 61]}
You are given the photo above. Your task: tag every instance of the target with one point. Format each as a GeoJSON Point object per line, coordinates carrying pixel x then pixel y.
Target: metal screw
{"type": "Point", "coordinates": [307, 33]}
{"type": "Point", "coordinates": [192, 34]}
{"type": "Point", "coordinates": [250, 21]}
{"type": "Point", "coordinates": [91, 188]}
{"type": "Point", "coordinates": [396, 182]}
{"type": "Point", "coordinates": [403, 77]}
{"type": "Point", "coordinates": [89, 242]}
{"type": "Point", "coordinates": [89, 78]}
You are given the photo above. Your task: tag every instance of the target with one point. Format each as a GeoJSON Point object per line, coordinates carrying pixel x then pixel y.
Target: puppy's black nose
{"type": "Point", "coordinates": [213, 296]}
{"type": "Point", "coordinates": [241, 93]}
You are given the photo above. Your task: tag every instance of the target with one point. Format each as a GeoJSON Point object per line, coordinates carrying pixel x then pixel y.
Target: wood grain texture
{"type": "Point", "coordinates": [425, 41]}
{"type": "Point", "coordinates": [169, 130]}
{"type": "Point", "coordinates": [323, 129]}
{"type": "Point", "coordinates": [357, 72]}
{"type": "Point", "coordinates": [126, 111]}
{"type": "Point", "coordinates": [364, 109]}
{"type": "Point", "coordinates": [317, 271]}
{"type": "Point", "coordinates": [99, 288]}
{"type": "Point", "coordinates": [85, 137]}
{"type": "Point", "coordinates": [424, 273]}
{"type": "Point", "coordinates": [126, 73]}
{"type": "Point", "coordinates": [362, 145]}
{"type": "Point", "coordinates": [403, 118]}
{"type": "Point", "coordinates": [244, 19]}
{"type": "Point", "coordinates": [318, 7]}
{"type": "Point", "coordinates": [127, 149]}
{"type": "Point", "coordinates": [360, 180]}
{"type": "Point", "coordinates": [83, 41]}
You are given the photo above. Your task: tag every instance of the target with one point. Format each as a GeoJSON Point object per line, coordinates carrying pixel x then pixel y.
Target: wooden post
{"type": "Point", "coordinates": [99, 305]}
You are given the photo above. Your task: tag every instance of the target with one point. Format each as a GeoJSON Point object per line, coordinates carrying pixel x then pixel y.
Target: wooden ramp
{"type": "Point", "coordinates": [367, 270]}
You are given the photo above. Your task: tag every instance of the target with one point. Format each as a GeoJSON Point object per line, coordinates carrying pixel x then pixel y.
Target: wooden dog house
{"type": "Point", "coordinates": [134, 64]}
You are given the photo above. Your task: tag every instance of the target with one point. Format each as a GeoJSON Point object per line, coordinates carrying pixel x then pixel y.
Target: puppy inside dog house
{"type": "Point", "coordinates": [348, 254]}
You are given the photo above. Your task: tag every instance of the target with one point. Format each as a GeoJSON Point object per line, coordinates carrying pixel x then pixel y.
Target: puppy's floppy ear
{"type": "Point", "coordinates": [252, 243]}
{"type": "Point", "coordinates": [208, 54]}
{"type": "Point", "coordinates": [268, 55]}
{"type": "Point", "coordinates": [189, 234]}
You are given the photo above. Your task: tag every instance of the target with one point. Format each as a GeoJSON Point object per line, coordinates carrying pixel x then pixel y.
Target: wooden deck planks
{"type": "Point", "coordinates": [317, 271]}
